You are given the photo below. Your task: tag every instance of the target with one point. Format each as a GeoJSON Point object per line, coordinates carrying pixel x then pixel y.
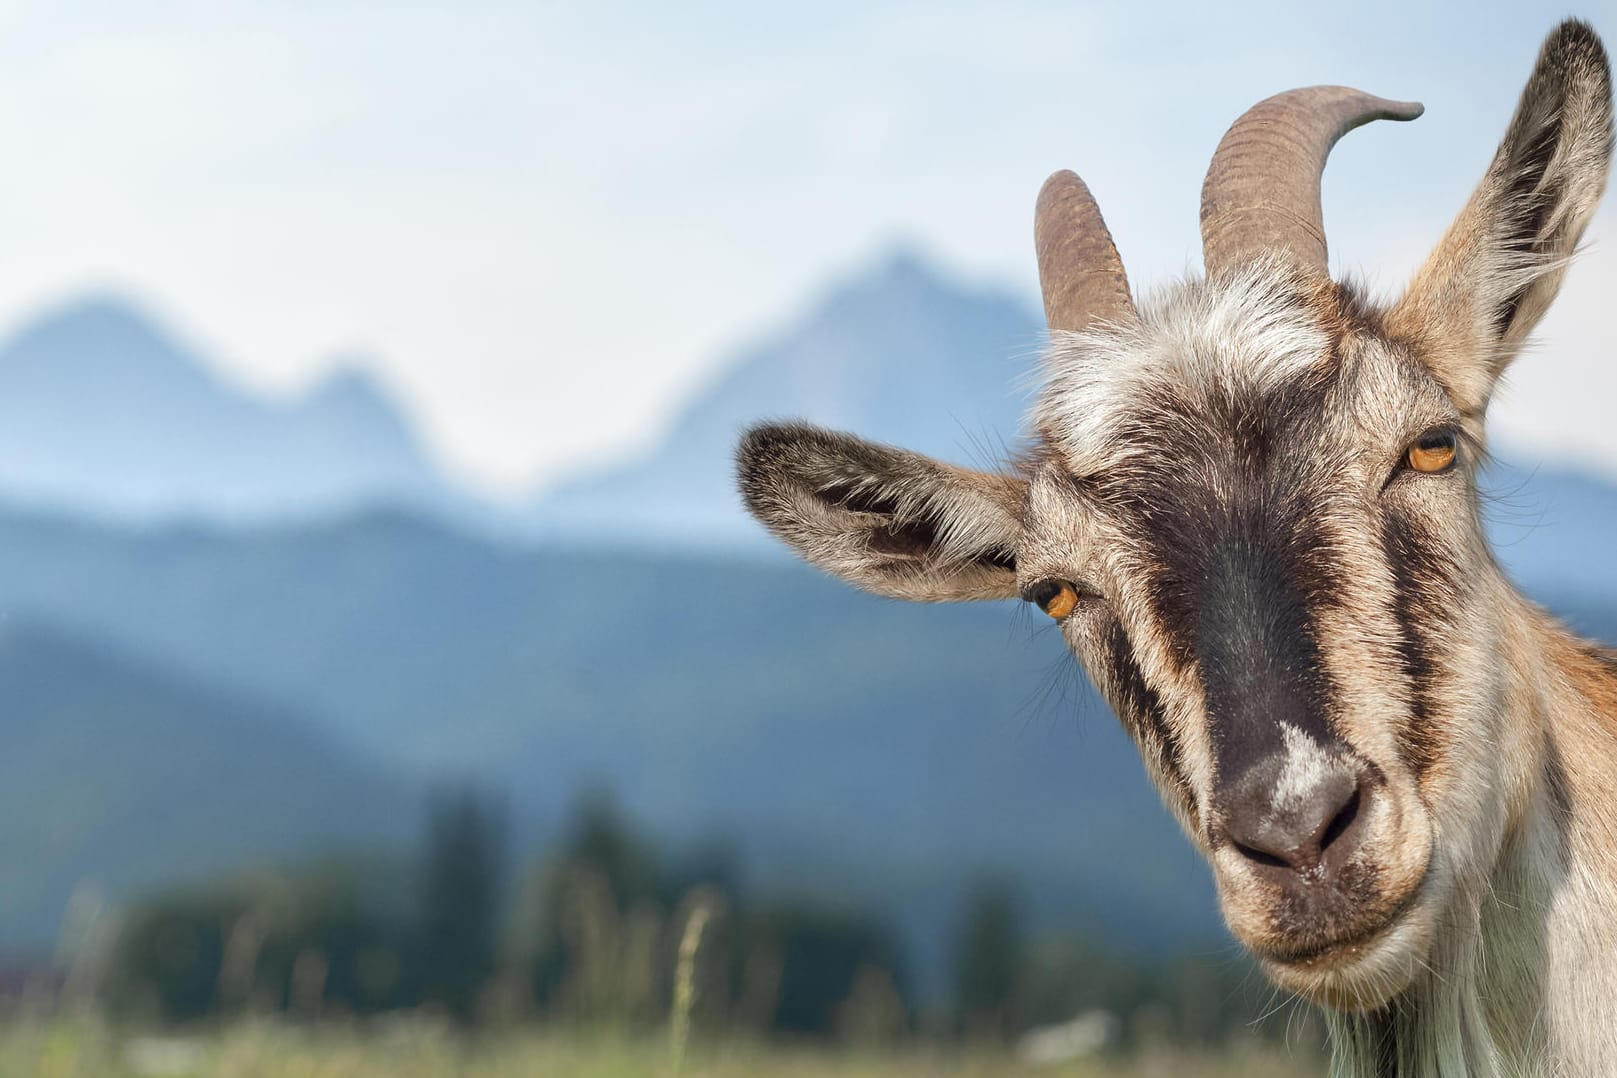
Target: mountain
{"type": "Point", "coordinates": [103, 412]}
{"type": "Point", "coordinates": [120, 776]}
{"type": "Point", "coordinates": [900, 353]}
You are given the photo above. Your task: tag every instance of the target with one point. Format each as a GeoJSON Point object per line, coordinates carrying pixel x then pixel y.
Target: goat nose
{"type": "Point", "coordinates": [1277, 817]}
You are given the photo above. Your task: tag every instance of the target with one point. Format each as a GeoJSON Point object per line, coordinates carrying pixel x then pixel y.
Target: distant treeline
{"type": "Point", "coordinates": [596, 933]}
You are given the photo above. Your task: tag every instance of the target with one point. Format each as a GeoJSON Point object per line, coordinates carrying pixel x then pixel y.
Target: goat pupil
{"type": "Point", "coordinates": [1041, 593]}
{"type": "Point", "coordinates": [1057, 598]}
{"type": "Point", "coordinates": [1436, 440]}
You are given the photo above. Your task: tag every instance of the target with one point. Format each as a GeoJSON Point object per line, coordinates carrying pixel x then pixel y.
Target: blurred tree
{"type": "Point", "coordinates": [1191, 1000]}
{"type": "Point", "coordinates": [713, 863]}
{"type": "Point", "coordinates": [610, 907]}
{"type": "Point", "coordinates": [583, 895]}
{"type": "Point", "coordinates": [236, 944]}
{"type": "Point", "coordinates": [348, 937]}
{"type": "Point", "coordinates": [1209, 998]}
{"type": "Point", "coordinates": [360, 950]}
{"type": "Point", "coordinates": [168, 957]}
{"type": "Point", "coordinates": [462, 871]}
{"type": "Point", "coordinates": [1064, 976]}
{"type": "Point", "coordinates": [601, 840]}
{"type": "Point", "coordinates": [816, 958]}
{"type": "Point", "coordinates": [987, 959]}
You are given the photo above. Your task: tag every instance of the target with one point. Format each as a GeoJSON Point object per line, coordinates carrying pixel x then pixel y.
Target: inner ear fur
{"type": "Point", "coordinates": [887, 520]}
{"type": "Point", "coordinates": [1495, 272]}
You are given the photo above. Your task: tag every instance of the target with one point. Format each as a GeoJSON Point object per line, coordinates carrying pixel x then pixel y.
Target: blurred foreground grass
{"type": "Point", "coordinates": [409, 1049]}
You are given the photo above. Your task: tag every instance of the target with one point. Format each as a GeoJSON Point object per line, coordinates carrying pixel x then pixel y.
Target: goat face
{"type": "Point", "coordinates": [1252, 507]}
{"type": "Point", "coordinates": [1267, 518]}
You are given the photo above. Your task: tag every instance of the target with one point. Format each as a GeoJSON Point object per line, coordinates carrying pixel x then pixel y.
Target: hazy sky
{"type": "Point", "coordinates": [545, 223]}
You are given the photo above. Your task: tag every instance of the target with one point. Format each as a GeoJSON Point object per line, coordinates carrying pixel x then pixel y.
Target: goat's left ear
{"type": "Point", "coordinates": [1500, 264]}
{"type": "Point", "coordinates": [887, 520]}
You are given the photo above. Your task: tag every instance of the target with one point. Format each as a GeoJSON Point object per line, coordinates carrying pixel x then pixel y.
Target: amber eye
{"type": "Point", "coordinates": [1057, 598]}
{"type": "Point", "coordinates": [1432, 452]}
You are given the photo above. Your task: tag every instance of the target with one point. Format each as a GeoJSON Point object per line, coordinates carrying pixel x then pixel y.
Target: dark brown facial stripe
{"type": "Point", "coordinates": [1259, 662]}
{"type": "Point", "coordinates": [1418, 590]}
{"type": "Point", "coordinates": [1140, 708]}
{"type": "Point", "coordinates": [1237, 563]}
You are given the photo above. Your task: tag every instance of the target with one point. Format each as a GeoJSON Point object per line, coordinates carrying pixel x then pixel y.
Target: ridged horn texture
{"type": "Point", "coordinates": [1261, 193]}
{"type": "Point", "coordinates": [1079, 271]}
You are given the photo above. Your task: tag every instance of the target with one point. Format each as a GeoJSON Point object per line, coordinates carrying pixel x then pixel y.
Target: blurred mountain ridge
{"type": "Point", "coordinates": [106, 413]}
{"type": "Point", "coordinates": [898, 350]}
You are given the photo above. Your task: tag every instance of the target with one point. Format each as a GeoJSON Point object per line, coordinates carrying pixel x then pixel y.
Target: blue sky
{"type": "Point", "coordinates": [544, 223]}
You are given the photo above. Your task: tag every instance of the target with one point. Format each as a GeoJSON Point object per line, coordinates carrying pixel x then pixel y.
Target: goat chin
{"type": "Point", "coordinates": [1361, 975]}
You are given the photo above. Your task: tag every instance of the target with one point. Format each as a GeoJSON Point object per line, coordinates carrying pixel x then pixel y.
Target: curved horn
{"type": "Point", "coordinates": [1079, 271]}
{"type": "Point", "coordinates": [1262, 189]}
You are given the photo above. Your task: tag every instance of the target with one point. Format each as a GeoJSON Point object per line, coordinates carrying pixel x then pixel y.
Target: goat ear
{"type": "Point", "coordinates": [889, 521]}
{"type": "Point", "coordinates": [1500, 264]}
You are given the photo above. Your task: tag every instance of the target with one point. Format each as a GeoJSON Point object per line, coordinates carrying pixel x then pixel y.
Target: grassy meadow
{"type": "Point", "coordinates": [419, 1049]}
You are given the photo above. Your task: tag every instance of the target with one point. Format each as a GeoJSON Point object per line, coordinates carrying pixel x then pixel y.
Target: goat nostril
{"type": "Point", "coordinates": [1251, 853]}
{"type": "Point", "coordinates": [1341, 821]}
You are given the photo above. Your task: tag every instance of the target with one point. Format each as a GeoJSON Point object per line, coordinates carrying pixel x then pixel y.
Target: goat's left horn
{"type": "Point", "coordinates": [1262, 189]}
{"type": "Point", "coordinates": [1079, 271]}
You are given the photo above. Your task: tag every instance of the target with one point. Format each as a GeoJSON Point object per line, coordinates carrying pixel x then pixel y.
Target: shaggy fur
{"type": "Point", "coordinates": [1281, 609]}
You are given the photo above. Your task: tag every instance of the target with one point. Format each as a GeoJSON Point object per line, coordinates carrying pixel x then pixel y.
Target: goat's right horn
{"type": "Point", "coordinates": [1262, 189]}
{"type": "Point", "coordinates": [1079, 271]}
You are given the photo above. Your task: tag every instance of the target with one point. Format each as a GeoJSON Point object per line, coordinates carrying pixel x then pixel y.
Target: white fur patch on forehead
{"type": "Point", "coordinates": [1243, 334]}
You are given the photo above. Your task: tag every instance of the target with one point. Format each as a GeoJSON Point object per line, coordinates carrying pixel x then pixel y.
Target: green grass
{"type": "Point", "coordinates": [410, 1048]}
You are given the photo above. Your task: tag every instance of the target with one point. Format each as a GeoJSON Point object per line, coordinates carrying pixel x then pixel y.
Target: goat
{"type": "Point", "coordinates": [1251, 505]}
